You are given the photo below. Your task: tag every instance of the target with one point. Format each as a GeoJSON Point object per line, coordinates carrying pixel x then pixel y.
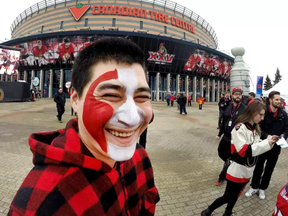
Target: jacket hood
{"type": "Point", "coordinates": [64, 148]}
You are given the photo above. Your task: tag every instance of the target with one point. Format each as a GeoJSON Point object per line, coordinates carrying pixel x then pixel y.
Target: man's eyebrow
{"type": "Point", "coordinates": [143, 89]}
{"type": "Point", "coordinates": [110, 86]}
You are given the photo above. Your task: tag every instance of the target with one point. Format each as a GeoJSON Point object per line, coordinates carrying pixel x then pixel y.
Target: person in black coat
{"type": "Point", "coordinates": [182, 100]}
{"type": "Point", "coordinates": [232, 112]}
{"type": "Point", "coordinates": [60, 100]}
{"type": "Point", "coordinates": [143, 136]}
{"type": "Point", "coordinates": [275, 122]}
{"type": "Point", "coordinates": [223, 104]}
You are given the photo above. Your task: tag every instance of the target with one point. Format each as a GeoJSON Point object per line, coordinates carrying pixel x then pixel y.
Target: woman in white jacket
{"type": "Point", "coordinates": [245, 148]}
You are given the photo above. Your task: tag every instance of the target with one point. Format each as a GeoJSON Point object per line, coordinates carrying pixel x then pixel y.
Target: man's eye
{"type": "Point", "coordinates": [142, 98]}
{"type": "Point", "coordinates": [111, 95]}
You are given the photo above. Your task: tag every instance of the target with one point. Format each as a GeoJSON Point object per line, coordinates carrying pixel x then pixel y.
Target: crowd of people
{"type": "Point", "coordinates": [248, 147]}
{"type": "Point", "coordinates": [182, 100]}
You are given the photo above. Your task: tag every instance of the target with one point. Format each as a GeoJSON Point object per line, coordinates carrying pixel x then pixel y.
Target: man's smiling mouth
{"type": "Point", "coordinates": [121, 134]}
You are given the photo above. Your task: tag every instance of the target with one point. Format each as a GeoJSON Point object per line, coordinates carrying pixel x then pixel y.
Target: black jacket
{"type": "Point", "coordinates": [60, 99]}
{"type": "Point", "coordinates": [230, 115]}
{"type": "Point", "coordinates": [182, 100]}
{"type": "Point", "coordinates": [277, 125]}
{"type": "Point", "coordinates": [223, 104]}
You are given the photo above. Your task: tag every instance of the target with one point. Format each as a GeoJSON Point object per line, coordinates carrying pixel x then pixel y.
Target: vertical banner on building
{"type": "Point", "coordinates": [259, 85]}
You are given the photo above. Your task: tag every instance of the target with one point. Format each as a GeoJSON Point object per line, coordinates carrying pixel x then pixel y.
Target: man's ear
{"type": "Point", "coordinates": [74, 97]}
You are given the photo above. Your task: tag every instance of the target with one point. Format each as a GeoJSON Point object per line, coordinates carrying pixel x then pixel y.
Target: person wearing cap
{"type": "Point", "coordinates": [234, 109]}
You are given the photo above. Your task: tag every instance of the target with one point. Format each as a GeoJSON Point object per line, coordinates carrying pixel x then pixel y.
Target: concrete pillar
{"type": "Point", "coordinates": [6, 77]}
{"type": "Point", "coordinates": [213, 90]}
{"type": "Point", "coordinates": [208, 90]}
{"type": "Point", "coordinates": [18, 76]}
{"type": "Point", "coordinates": [11, 78]}
{"type": "Point", "coordinates": [218, 91]}
{"type": "Point", "coordinates": [50, 95]}
{"type": "Point", "coordinates": [168, 83]}
{"type": "Point", "coordinates": [157, 86]}
{"type": "Point", "coordinates": [61, 84]}
{"type": "Point", "coordinates": [25, 75]}
{"type": "Point", "coordinates": [194, 88]}
{"type": "Point", "coordinates": [1, 77]}
{"type": "Point", "coordinates": [223, 89]}
{"type": "Point", "coordinates": [177, 84]}
{"type": "Point", "coordinates": [186, 86]}
{"type": "Point", "coordinates": [41, 82]}
{"type": "Point", "coordinates": [32, 77]}
{"type": "Point", "coordinates": [201, 86]}
{"type": "Point", "coordinates": [240, 73]}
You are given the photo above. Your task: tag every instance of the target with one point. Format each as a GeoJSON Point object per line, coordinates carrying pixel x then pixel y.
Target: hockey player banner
{"type": "Point", "coordinates": [9, 61]}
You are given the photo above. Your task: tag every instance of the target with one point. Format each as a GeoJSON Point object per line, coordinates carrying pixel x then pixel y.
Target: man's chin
{"type": "Point", "coordinates": [119, 153]}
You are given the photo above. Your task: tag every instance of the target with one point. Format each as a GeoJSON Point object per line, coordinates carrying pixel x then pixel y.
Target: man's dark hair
{"type": "Point", "coordinates": [252, 94]}
{"type": "Point", "coordinates": [272, 94]}
{"type": "Point", "coordinates": [106, 49]}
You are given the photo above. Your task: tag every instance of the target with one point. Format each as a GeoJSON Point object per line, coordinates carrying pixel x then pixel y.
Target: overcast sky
{"type": "Point", "coordinates": [260, 26]}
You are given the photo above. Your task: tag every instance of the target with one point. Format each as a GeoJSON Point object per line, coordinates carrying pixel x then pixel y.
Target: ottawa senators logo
{"type": "Point", "coordinates": [1, 94]}
{"type": "Point", "coordinates": [162, 50]}
{"type": "Point", "coordinates": [161, 56]}
{"type": "Point", "coordinates": [237, 127]}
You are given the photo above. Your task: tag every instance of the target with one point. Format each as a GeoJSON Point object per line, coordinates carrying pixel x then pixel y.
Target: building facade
{"type": "Point", "coordinates": [179, 45]}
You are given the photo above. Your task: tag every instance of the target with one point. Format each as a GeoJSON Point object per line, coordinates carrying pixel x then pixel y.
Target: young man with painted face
{"type": "Point", "coordinates": [95, 166]}
{"type": "Point", "coordinates": [275, 122]}
{"type": "Point", "coordinates": [234, 109]}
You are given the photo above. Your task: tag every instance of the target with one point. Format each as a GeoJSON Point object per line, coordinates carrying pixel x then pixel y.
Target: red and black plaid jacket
{"type": "Point", "coordinates": [68, 180]}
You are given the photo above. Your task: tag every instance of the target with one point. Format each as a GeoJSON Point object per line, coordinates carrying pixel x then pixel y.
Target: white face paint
{"type": "Point", "coordinates": [118, 153]}
{"type": "Point", "coordinates": [129, 113]}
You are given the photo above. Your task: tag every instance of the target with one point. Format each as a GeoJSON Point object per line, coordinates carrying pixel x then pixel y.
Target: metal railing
{"type": "Point", "coordinates": [166, 4]}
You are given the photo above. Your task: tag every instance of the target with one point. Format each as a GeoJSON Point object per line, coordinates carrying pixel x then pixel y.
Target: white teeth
{"type": "Point", "coordinates": [118, 134]}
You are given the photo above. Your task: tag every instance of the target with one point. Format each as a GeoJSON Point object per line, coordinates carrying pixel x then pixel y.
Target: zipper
{"type": "Point", "coordinates": [123, 186]}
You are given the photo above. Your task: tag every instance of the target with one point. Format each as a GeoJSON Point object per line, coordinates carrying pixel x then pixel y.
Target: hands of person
{"type": "Point", "coordinates": [272, 139]}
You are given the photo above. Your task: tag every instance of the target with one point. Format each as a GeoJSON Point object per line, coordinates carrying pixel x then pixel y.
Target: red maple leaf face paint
{"type": "Point", "coordinates": [97, 113]}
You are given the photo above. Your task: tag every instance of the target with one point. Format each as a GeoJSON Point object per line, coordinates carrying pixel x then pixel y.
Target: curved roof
{"type": "Point", "coordinates": [44, 4]}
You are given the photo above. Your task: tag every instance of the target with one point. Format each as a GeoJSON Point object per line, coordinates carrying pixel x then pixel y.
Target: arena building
{"type": "Point", "coordinates": [179, 45]}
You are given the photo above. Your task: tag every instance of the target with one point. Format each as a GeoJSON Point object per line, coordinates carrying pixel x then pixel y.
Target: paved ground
{"type": "Point", "coordinates": [182, 148]}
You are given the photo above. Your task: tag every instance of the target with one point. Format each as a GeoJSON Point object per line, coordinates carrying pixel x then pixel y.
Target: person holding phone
{"type": "Point", "coordinates": [275, 122]}
{"type": "Point", "coordinates": [246, 146]}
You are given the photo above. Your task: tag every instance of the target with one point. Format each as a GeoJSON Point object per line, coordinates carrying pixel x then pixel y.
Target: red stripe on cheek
{"type": "Point", "coordinates": [96, 113]}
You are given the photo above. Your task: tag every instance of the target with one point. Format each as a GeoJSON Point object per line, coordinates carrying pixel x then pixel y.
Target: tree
{"type": "Point", "coordinates": [267, 83]}
{"type": "Point", "coordinates": [278, 77]}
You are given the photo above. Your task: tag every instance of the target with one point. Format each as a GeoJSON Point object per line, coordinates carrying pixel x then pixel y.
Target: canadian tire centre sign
{"type": "Point", "coordinates": [79, 11]}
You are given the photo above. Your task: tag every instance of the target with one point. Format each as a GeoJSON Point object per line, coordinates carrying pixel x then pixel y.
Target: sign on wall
{"type": "Point", "coordinates": [79, 11]}
{"type": "Point", "coordinates": [208, 64]}
{"type": "Point", "coordinates": [161, 56]}
{"type": "Point", "coordinates": [9, 61]}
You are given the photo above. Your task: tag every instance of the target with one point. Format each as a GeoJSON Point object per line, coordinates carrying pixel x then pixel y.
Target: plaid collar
{"type": "Point", "coordinates": [64, 147]}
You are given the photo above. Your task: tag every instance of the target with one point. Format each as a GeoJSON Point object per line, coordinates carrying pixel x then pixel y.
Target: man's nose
{"type": "Point", "coordinates": [129, 113]}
